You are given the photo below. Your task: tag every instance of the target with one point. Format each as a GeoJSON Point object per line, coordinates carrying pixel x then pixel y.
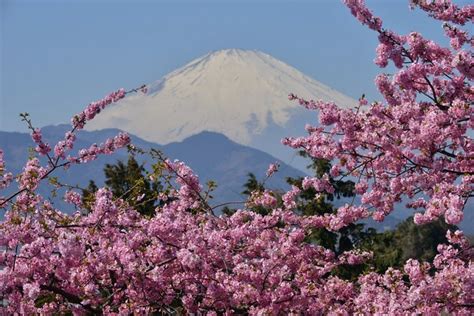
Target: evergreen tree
{"type": "Point", "coordinates": [128, 182]}
{"type": "Point", "coordinates": [393, 248]}
{"type": "Point", "coordinates": [315, 203]}
{"type": "Point", "coordinates": [88, 195]}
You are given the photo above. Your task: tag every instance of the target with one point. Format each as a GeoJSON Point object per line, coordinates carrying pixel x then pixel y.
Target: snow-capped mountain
{"type": "Point", "coordinates": [242, 94]}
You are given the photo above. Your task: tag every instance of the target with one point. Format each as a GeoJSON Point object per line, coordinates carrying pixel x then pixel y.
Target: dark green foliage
{"type": "Point", "coordinates": [129, 182]}
{"type": "Point", "coordinates": [420, 241]}
{"type": "Point", "coordinates": [343, 240]}
{"type": "Point", "coordinates": [349, 237]}
{"type": "Point", "coordinates": [227, 211]}
{"type": "Point", "coordinates": [252, 184]}
{"type": "Point", "coordinates": [322, 166]}
{"type": "Point", "coordinates": [88, 195]}
{"type": "Point", "coordinates": [408, 240]}
{"type": "Point", "coordinates": [43, 299]}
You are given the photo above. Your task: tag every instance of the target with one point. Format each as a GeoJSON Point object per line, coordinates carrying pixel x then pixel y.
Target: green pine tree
{"type": "Point", "coordinates": [408, 240]}
{"type": "Point", "coordinates": [128, 182]}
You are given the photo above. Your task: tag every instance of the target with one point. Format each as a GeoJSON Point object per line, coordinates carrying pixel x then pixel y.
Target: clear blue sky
{"type": "Point", "coordinates": [57, 56]}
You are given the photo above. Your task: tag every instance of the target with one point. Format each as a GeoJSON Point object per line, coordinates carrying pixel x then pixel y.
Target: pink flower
{"type": "Point", "coordinates": [73, 198]}
{"type": "Point", "coordinates": [31, 290]}
{"type": "Point", "coordinates": [272, 168]}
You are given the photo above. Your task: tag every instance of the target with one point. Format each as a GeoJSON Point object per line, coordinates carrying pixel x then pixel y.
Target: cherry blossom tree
{"type": "Point", "coordinates": [110, 259]}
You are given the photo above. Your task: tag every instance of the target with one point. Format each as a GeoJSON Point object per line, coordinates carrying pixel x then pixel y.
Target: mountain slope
{"type": "Point", "coordinates": [212, 156]}
{"type": "Point", "coordinates": [239, 93]}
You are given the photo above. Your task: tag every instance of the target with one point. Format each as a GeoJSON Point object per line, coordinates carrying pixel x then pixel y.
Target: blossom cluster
{"type": "Point", "coordinates": [416, 143]}
{"type": "Point", "coordinates": [42, 148]}
{"type": "Point", "coordinates": [114, 260]}
{"type": "Point", "coordinates": [94, 108]}
{"type": "Point", "coordinates": [272, 168]}
{"type": "Point", "coordinates": [5, 177]}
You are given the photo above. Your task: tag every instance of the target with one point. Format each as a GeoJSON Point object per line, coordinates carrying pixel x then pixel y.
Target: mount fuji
{"type": "Point", "coordinates": [239, 93]}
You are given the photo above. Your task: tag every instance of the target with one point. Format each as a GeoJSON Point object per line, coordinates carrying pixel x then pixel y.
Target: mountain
{"type": "Point", "coordinates": [211, 155]}
{"type": "Point", "coordinates": [242, 94]}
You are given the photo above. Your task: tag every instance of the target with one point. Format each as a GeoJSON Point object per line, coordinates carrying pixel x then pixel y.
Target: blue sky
{"type": "Point", "coordinates": [57, 56]}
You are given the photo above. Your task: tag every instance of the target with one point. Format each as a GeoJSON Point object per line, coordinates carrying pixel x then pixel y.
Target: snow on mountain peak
{"type": "Point", "coordinates": [234, 92]}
